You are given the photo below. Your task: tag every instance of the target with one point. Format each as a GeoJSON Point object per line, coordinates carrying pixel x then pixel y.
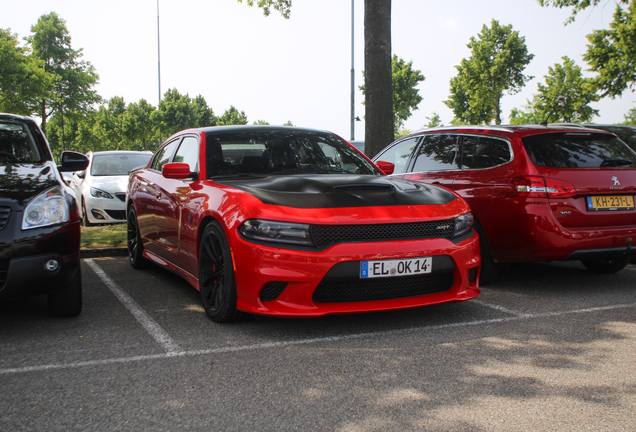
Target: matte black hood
{"type": "Point", "coordinates": [22, 182]}
{"type": "Point", "coordinates": [337, 191]}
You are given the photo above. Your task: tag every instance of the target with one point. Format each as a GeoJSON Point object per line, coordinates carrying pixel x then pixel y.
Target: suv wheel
{"type": "Point", "coordinates": [605, 266]}
{"type": "Point", "coordinates": [489, 269]}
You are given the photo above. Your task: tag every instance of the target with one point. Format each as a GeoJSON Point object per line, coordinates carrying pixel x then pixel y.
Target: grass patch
{"type": "Point", "coordinates": [113, 235]}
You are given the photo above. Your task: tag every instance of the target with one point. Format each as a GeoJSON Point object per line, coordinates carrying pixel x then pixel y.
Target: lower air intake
{"type": "Point", "coordinates": [382, 288]}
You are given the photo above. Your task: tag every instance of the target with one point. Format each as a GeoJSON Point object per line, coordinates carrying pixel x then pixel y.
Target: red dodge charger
{"type": "Point", "coordinates": [295, 222]}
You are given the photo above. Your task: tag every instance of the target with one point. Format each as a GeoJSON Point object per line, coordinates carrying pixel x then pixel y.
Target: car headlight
{"type": "Point", "coordinates": [98, 193]}
{"type": "Point", "coordinates": [463, 224]}
{"type": "Point", "coordinates": [48, 208]}
{"type": "Point", "coordinates": [277, 232]}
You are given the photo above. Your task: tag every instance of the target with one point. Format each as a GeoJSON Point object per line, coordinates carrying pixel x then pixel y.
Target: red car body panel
{"type": "Point", "coordinates": [521, 229]}
{"type": "Point", "coordinates": [172, 214]}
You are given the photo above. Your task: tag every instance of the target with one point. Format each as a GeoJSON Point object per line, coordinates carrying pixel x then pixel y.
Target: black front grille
{"type": "Point", "coordinates": [121, 196]}
{"type": "Point", "coordinates": [382, 288]}
{"type": "Point", "coordinates": [117, 214]}
{"type": "Point", "coordinates": [272, 290]}
{"type": "Point", "coordinates": [325, 235]}
{"type": "Point", "coordinates": [5, 212]}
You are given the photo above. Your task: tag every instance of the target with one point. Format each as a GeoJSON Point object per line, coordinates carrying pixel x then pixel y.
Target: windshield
{"type": "Point", "coordinates": [17, 144]}
{"type": "Point", "coordinates": [278, 152]}
{"type": "Point", "coordinates": [578, 150]}
{"type": "Point", "coordinates": [117, 164]}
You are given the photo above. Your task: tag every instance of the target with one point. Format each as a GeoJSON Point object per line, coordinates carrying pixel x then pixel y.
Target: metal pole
{"type": "Point", "coordinates": [158, 56]}
{"type": "Point", "coordinates": [353, 87]}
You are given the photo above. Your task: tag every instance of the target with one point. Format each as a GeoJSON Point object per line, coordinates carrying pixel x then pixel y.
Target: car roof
{"type": "Point", "coordinates": [116, 152]}
{"type": "Point", "coordinates": [250, 128]}
{"type": "Point", "coordinates": [16, 117]}
{"type": "Point", "coordinates": [522, 130]}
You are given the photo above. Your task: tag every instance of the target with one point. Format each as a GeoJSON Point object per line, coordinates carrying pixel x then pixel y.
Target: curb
{"type": "Point", "coordinates": [103, 252]}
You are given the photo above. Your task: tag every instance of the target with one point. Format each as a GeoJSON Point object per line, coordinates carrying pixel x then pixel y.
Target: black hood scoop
{"type": "Point", "coordinates": [338, 191]}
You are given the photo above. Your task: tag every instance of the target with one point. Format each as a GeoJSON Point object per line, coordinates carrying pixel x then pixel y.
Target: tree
{"type": "Point", "coordinates": [177, 112]}
{"type": "Point", "coordinates": [406, 97]}
{"type": "Point", "coordinates": [630, 117]}
{"type": "Point", "coordinates": [577, 5]}
{"type": "Point", "coordinates": [566, 94]}
{"type": "Point", "coordinates": [232, 116]}
{"type": "Point", "coordinates": [23, 81]}
{"type": "Point", "coordinates": [434, 121]}
{"type": "Point", "coordinates": [138, 127]}
{"type": "Point", "coordinates": [612, 53]}
{"type": "Point", "coordinates": [72, 91]}
{"type": "Point", "coordinates": [498, 57]}
{"type": "Point", "coordinates": [261, 122]}
{"type": "Point", "coordinates": [379, 128]}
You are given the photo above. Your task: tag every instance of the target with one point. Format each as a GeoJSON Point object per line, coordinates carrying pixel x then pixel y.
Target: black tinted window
{"type": "Point", "coordinates": [188, 153]}
{"type": "Point", "coordinates": [17, 144]}
{"type": "Point", "coordinates": [483, 152]}
{"type": "Point", "coordinates": [437, 153]}
{"type": "Point", "coordinates": [578, 150]}
{"type": "Point", "coordinates": [282, 152]}
{"type": "Point", "coordinates": [164, 155]}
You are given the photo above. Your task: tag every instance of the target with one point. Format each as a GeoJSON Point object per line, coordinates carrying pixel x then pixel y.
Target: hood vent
{"type": "Point", "coordinates": [365, 188]}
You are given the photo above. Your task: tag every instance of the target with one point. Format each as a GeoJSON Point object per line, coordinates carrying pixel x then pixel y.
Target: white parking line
{"type": "Point", "coordinates": [144, 319]}
{"type": "Point", "coordinates": [173, 354]}
{"type": "Point", "coordinates": [499, 308]}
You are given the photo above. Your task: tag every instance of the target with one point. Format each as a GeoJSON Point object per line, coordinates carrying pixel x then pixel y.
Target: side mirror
{"type": "Point", "coordinates": [386, 167]}
{"type": "Point", "coordinates": [72, 161]}
{"type": "Point", "coordinates": [176, 170]}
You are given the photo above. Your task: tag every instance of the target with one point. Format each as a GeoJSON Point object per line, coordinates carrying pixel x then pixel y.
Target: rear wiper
{"type": "Point", "coordinates": [615, 162]}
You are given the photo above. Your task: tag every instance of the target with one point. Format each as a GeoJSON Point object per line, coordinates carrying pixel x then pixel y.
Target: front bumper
{"type": "Point", "coordinates": [105, 210]}
{"type": "Point", "coordinates": [283, 282]}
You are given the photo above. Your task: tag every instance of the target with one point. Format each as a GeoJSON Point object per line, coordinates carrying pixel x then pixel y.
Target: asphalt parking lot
{"type": "Point", "coordinates": [545, 347]}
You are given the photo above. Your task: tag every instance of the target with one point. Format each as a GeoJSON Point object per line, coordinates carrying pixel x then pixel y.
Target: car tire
{"type": "Point", "coordinates": [489, 268]}
{"type": "Point", "coordinates": [217, 285]}
{"type": "Point", "coordinates": [133, 241]}
{"type": "Point", "coordinates": [85, 220]}
{"type": "Point", "coordinates": [67, 302]}
{"type": "Point", "coordinates": [606, 266]}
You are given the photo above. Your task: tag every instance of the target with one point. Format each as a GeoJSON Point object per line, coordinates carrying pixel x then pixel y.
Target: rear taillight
{"type": "Point", "coordinates": [544, 187]}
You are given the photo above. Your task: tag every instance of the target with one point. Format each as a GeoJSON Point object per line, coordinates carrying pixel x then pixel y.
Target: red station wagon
{"type": "Point", "coordinates": [538, 193]}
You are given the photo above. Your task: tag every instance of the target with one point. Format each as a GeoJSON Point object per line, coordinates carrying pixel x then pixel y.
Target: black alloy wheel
{"type": "Point", "coordinates": [216, 276]}
{"type": "Point", "coordinates": [135, 248]}
{"type": "Point", "coordinates": [607, 265]}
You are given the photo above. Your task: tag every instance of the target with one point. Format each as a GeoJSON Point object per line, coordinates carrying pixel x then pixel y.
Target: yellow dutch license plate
{"type": "Point", "coordinates": [610, 202]}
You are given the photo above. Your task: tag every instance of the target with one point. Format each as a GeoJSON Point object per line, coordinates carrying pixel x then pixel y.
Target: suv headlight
{"type": "Point", "coordinates": [48, 208]}
{"type": "Point", "coordinates": [98, 193]}
{"type": "Point", "coordinates": [463, 224]}
{"type": "Point", "coordinates": [277, 232]}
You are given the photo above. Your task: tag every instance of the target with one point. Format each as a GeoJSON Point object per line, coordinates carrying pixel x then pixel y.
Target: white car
{"type": "Point", "coordinates": [101, 188]}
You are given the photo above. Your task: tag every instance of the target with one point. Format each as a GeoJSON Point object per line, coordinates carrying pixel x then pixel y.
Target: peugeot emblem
{"type": "Point", "coordinates": [615, 180]}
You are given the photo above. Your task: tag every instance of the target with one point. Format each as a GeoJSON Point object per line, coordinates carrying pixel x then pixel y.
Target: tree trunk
{"type": "Point", "coordinates": [378, 93]}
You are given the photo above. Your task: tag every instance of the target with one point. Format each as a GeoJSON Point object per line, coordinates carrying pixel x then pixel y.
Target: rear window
{"type": "Point", "coordinates": [578, 150]}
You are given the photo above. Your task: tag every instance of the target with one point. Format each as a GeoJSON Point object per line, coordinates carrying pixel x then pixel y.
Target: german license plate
{"type": "Point", "coordinates": [612, 202]}
{"type": "Point", "coordinates": [398, 267]}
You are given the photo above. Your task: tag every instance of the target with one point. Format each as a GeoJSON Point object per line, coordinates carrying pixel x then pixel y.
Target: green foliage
{"type": "Point", "coordinates": [630, 117]}
{"type": "Point", "coordinates": [261, 122]}
{"type": "Point", "coordinates": [406, 96]}
{"type": "Point", "coordinates": [577, 5]}
{"type": "Point", "coordinates": [23, 81]}
{"type": "Point", "coordinates": [282, 6]}
{"type": "Point", "coordinates": [177, 112]}
{"type": "Point", "coordinates": [137, 126]}
{"type": "Point", "coordinates": [72, 90]}
{"type": "Point", "coordinates": [566, 95]}
{"type": "Point", "coordinates": [232, 116]}
{"type": "Point", "coordinates": [612, 53]}
{"type": "Point", "coordinates": [498, 57]}
{"type": "Point", "coordinates": [434, 121]}
{"type": "Point", "coordinates": [288, 123]}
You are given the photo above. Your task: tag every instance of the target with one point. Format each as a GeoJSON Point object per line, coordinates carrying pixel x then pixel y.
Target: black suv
{"type": "Point", "coordinates": [39, 221]}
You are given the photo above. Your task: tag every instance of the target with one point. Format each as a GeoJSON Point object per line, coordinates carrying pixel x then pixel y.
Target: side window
{"type": "Point", "coordinates": [189, 153]}
{"type": "Point", "coordinates": [164, 155]}
{"type": "Point", "coordinates": [437, 153]}
{"type": "Point", "coordinates": [399, 154]}
{"type": "Point", "coordinates": [483, 152]}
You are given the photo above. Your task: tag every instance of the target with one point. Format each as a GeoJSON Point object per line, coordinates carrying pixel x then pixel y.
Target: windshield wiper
{"type": "Point", "coordinates": [615, 162]}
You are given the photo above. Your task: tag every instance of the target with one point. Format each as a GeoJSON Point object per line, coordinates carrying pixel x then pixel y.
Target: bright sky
{"type": "Point", "coordinates": [299, 69]}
